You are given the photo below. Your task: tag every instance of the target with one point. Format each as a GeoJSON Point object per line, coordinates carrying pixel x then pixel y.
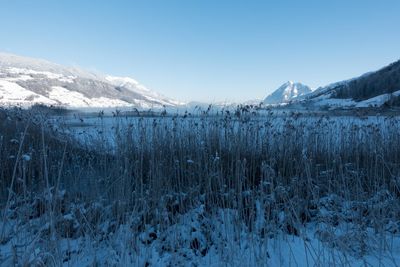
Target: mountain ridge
{"type": "Point", "coordinates": [371, 89]}
{"type": "Point", "coordinates": [287, 92]}
{"type": "Point", "coordinates": [27, 81]}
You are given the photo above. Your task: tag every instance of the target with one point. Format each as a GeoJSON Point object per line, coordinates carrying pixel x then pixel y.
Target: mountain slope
{"type": "Point", "coordinates": [371, 89]}
{"type": "Point", "coordinates": [383, 81]}
{"type": "Point", "coordinates": [287, 92]}
{"type": "Point", "coordinates": [26, 81]}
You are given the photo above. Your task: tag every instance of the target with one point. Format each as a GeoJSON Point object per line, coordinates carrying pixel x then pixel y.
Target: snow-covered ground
{"type": "Point", "coordinates": [324, 127]}
{"type": "Point", "coordinates": [12, 94]}
{"type": "Point", "coordinates": [78, 100]}
{"type": "Point", "coordinates": [326, 100]}
{"type": "Point", "coordinates": [47, 83]}
{"type": "Point", "coordinates": [198, 238]}
{"type": "Point", "coordinates": [321, 229]}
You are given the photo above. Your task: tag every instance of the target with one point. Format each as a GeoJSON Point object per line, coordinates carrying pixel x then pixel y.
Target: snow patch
{"type": "Point", "coordinates": [377, 101]}
{"type": "Point", "coordinates": [13, 94]}
{"type": "Point", "coordinates": [50, 75]}
{"type": "Point", "coordinates": [76, 99]}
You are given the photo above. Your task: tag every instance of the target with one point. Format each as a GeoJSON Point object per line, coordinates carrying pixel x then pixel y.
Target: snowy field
{"type": "Point", "coordinates": [238, 188]}
{"type": "Point", "coordinates": [329, 132]}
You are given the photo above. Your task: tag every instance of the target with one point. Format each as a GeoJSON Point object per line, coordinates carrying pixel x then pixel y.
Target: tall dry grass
{"type": "Point", "coordinates": [245, 160]}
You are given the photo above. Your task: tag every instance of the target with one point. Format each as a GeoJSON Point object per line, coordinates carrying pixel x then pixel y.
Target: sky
{"type": "Point", "coordinates": [208, 50]}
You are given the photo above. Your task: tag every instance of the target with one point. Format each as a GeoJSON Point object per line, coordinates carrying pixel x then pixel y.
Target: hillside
{"type": "Point", "coordinates": [27, 81]}
{"type": "Point", "coordinates": [372, 89]}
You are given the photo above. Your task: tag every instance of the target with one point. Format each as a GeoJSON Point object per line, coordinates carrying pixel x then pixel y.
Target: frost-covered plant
{"type": "Point", "coordinates": [268, 173]}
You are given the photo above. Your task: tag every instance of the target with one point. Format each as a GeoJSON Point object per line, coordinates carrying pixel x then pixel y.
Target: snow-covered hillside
{"type": "Point", "coordinates": [287, 92]}
{"type": "Point", "coordinates": [372, 89]}
{"type": "Point", "coordinates": [26, 81]}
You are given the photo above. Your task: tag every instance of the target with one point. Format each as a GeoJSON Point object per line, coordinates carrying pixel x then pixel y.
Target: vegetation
{"type": "Point", "coordinates": [277, 173]}
{"type": "Point", "coordinates": [384, 81]}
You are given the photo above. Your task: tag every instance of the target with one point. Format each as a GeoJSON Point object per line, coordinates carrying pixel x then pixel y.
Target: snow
{"type": "Point", "coordinates": [127, 81]}
{"type": "Point", "coordinates": [104, 102]}
{"type": "Point", "coordinates": [75, 99]}
{"type": "Point", "coordinates": [191, 242]}
{"type": "Point", "coordinates": [48, 82]}
{"type": "Point", "coordinates": [50, 75]}
{"type": "Point", "coordinates": [136, 87]}
{"type": "Point", "coordinates": [19, 78]}
{"type": "Point", "coordinates": [66, 97]}
{"type": "Point", "coordinates": [376, 101]}
{"type": "Point", "coordinates": [334, 102]}
{"type": "Point", "coordinates": [326, 100]}
{"type": "Point", "coordinates": [327, 89]}
{"type": "Point", "coordinates": [26, 157]}
{"type": "Point", "coordinates": [13, 94]}
{"type": "Point", "coordinates": [198, 237]}
{"type": "Point", "coordinates": [287, 92]}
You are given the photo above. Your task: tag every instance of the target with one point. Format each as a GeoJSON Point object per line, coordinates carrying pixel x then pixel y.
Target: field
{"type": "Point", "coordinates": [231, 187]}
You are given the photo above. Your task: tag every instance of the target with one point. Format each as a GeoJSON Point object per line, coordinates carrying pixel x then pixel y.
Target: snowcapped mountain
{"type": "Point", "coordinates": [27, 81]}
{"type": "Point", "coordinates": [287, 92]}
{"type": "Point", "coordinates": [372, 89]}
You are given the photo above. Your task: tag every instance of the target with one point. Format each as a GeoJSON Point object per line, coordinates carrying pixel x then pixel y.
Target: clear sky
{"type": "Point", "coordinates": [208, 50]}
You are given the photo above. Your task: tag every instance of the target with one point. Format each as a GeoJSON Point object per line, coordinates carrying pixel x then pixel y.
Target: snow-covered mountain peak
{"type": "Point", "coordinates": [126, 82]}
{"type": "Point", "coordinates": [134, 86]}
{"type": "Point", "coordinates": [289, 83]}
{"type": "Point", "coordinates": [290, 90]}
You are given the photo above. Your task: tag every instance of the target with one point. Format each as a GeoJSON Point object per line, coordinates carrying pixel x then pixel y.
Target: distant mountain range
{"type": "Point", "coordinates": [373, 89]}
{"type": "Point", "coordinates": [27, 81]}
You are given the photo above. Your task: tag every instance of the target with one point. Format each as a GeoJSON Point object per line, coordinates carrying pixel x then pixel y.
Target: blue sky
{"type": "Point", "coordinates": [208, 50]}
